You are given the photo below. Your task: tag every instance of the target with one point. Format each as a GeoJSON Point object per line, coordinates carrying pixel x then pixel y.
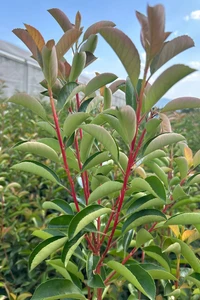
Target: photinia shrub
{"type": "Point", "coordinates": [131, 218]}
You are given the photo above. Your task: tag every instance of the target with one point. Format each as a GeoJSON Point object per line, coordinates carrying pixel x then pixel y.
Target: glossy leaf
{"type": "Point", "coordinates": [96, 159]}
{"type": "Point", "coordinates": [50, 63]}
{"type": "Point", "coordinates": [116, 85]}
{"type": "Point", "coordinates": [137, 276]}
{"type": "Point", "coordinates": [95, 104]}
{"type": "Point", "coordinates": [142, 237]}
{"type": "Point", "coordinates": [130, 94]}
{"type": "Point", "coordinates": [78, 65]}
{"type": "Point", "coordinates": [144, 202]}
{"type": "Point", "coordinates": [170, 50]}
{"type": "Point", "coordinates": [44, 249]}
{"type": "Point", "coordinates": [59, 205]}
{"type": "Point", "coordinates": [91, 44]}
{"type": "Point", "coordinates": [157, 272]}
{"type": "Point", "coordinates": [141, 217]}
{"type": "Point", "coordinates": [156, 253]}
{"type": "Point", "coordinates": [164, 82]}
{"type": "Point", "coordinates": [64, 94]}
{"type": "Point", "coordinates": [181, 103]}
{"type": "Point", "coordinates": [67, 41]}
{"type": "Point", "coordinates": [105, 190]}
{"type": "Point", "coordinates": [184, 219]}
{"type": "Point", "coordinates": [61, 18]}
{"type": "Point", "coordinates": [37, 169]}
{"type": "Point", "coordinates": [195, 179]}
{"type": "Point", "coordinates": [163, 140]}
{"type": "Point", "coordinates": [57, 289]}
{"type": "Point", "coordinates": [151, 184]}
{"type": "Point", "coordinates": [125, 50]}
{"type": "Point", "coordinates": [70, 248]}
{"type": "Point", "coordinates": [195, 278]}
{"type": "Point", "coordinates": [175, 247]}
{"type": "Point", "coordinates": [61, 222]}
{"type": "Point", "coordinates": [85, 217]}
{"type": "Point", "coordinates": [104, 137]}
{"type": "Point", "coordinates": [127, 118]}
{"type": "Point", "coordinates": [58, 265]}
{"type": "Point", "coordinates": [39, 149]}
{"type": "Point", "coordinates": [99, 81]}
{"type": "Point", "coordinates": [29, 102]}
{"type": "Point", "coordinates": [107, 98]}
{"type": "Point", "coordinates": [127, 240]}
{"type": "Point", "coordinates": [158, 171]}
{"type": "Point", "coordinates": [155, 154]}
{"type": "Point", "coordinates": [188, 254]}
{"type": "Point", "coordinates": [73, 121]}
{"type": "Point", "coordinates": [93, 29]}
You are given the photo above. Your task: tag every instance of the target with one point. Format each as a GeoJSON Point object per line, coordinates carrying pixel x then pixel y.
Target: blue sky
{"type": "Point", "coordinates": [182, 17]}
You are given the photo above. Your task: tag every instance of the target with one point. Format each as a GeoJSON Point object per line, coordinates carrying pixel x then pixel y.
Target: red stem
{"type": "Point", "coordinates": [62, 147]}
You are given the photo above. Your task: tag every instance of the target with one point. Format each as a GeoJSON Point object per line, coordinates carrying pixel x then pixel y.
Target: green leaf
{"type": "Point", "coordinates": [78, 65]}
{"type": "Point", "coordinates": [127, 240]}
{"type": "Point", "coordinates": [141, 217]}
{"type": "Point", "coordinates": [164, 82]}
{"type": "Point", "coordinates": [195, 278]}
{"type": "Point", "coordinates": [181, 103]}
{"type": "Point", "coordinates": [123, 160]}
{"type": "Point", "coordinates": [144, 202]}
{"type": "Point", "coordinates": [195, 179]}
{"type": "Point", "coordinates": [73, 269]}
{"type": "Point", "coordinates": [59, 205]}
{"type": "Point", "coordinates": [93, 29]}
{"type": "Point", "coordinates": [57, 289]}
{"type": "Point", "coordinates": [85, 217]}
{"type": "Point", "coordinates": [163, 140]}
{"type": "Point", "coordinates": [85, 104]}
{"type": "Point", "coordinates": [67, 41]}
{"type": "Point", "coordinates": [184, 219]}
{"type": "Point", "coordinates": [158, 272]}
{"type": "Point", "coordinates": [151, 156]}
{"type": "Point", "coordinates": [104, 137]}
{"type": "Point", "coordinates": [130, 94]}
{"type": "Point", "coordinates": [73, 121]}
{"type": "Point", "coordinates": [51, 142]}
{"type": "Point", "coordinates": [37, 169]}
{"type": "Point", "coordinates": [58, 265]}
{"type": "Point", "coordinates": [65, 93]}
{"type": "Point", "coordinates": [117, 84]}
{"type": "Point", "coordinates": [94, 104]}
{"type": "Point", "coordinates": [151, 184]}
{"type": "Point", "coordinates": [170, 50]}
{"type": "Point", "coordinates": [96, 159]}
{"type": "Point", "coordinates": [105, 190]}
{"type": "Point", "coordinates": [50, 63]}
{"type": "Point", "coordinates": [91, 44]}
{"type": "Point", "coordinates": [71, 160]}
{"type": "Point", "coordinates": [95, 281]}
{"type": "Point", "coordinates": [98, 82]}
{"type": "Point", "coordinates": [44, 249]}
{"type": "Point", "coordinates": [127, 118]}
{"type": "Point", "coordinates": [61, 18]}
{"type": "Point", "coordinates": [60, 222]}
{"type": "Point", "coordinates": [182, 166]}
{"type": "Point", "coordinates": [175, 247]}
{"type": "Point", "coordinates": [107, 98]}
{"type": "Point", "coordinates": [70, 248]}
{"type": "Point", "coordinates": [156, 253]}
{"type": "Point", "coordinates": [48, 128]}
{"type": "Point", "coordinates": [188, 254]}
{"type": "Point", "coordinates": [142, 237]}
{"type": "Point", "coordinates": [29, 102]}
{"type": "Point", "coordinates": [125, 50]}
{"type": "Point", "coordinates": [196, 159]}
{"type": "Point", "coordinates": [39, 149]}
{"type": "Point", "coordinates": [158, 171]}
{"type": "Point", "coordinates": [137, 276]}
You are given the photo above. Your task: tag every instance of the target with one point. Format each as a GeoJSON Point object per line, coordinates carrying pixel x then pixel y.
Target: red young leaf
{"type": "Point", "coordinates": [93, 29]}
{"type": "Point", "coordinates": [67, 41]}
{"type": "Point", "coordinates": [36, 36]}
{"type": "Point", "coordinates": [61, 18]}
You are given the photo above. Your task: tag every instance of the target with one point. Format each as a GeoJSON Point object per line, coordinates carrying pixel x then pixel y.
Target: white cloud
{"type": "Point", "coordinates": [194, 15]}
{"type": "Point", "coordinates": [175, 33]}
{"type": "Point", "coordinates": [195, 64]}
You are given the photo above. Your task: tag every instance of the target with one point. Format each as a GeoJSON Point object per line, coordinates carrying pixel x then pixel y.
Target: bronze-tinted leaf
{"type": "Point", "coordinates": [116, 84]}
{"type": "Point", "coordinates": [36, 36]}
{"type": "Point", "coordinates": [144, 35]}
{"type": "Point", "coordinates": [156, 19]}
{"type": "Point", "coordinates": [93, 29]}
{"type": "Point", "coordinates": [125, 50]}
{"type": "Point", "coordinates": [90, 58]}
{"type": "Point", "coordinates": [25, 37]}
{"type": "Point", "coordinates": [61, 18]}
{"type": "Point", "coordinates": [78, 20]}
{"type": "Point", "coordinates": [64, 69]}
{"type": "Point", "coordinates": [170, 50]}
{"type": "Point", "coordinates": [67, 41]}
